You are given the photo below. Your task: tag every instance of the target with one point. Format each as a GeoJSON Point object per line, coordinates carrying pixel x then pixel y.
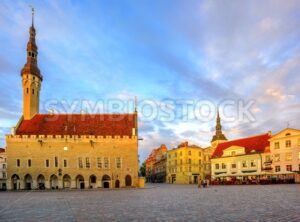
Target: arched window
{"type": "Point", "coordinates": [27, 90]}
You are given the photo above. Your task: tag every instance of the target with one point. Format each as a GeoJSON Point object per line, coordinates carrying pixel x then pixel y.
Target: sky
{"type": "Point", "coordinates": [228, 54]}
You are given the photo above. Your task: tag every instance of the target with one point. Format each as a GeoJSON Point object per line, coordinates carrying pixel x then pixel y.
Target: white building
{"type": "Point", "coordinates": [285, 152]}
{"type": "Point", "coordinates": [3, 167]}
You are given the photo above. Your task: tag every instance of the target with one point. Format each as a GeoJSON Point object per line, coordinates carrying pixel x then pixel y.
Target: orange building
{"type": "Point", "coordinates": [156, 165]}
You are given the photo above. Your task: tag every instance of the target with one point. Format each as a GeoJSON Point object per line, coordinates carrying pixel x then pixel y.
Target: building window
{"type": "Point", "coordinates": [217, 166]}
{"type": "Point", "coordinates": [199, 153]}
{"type": "Point", "coordinates": [276, 145]}
{"type": "Point", "coordinates": [47, 163]}
{"type": "Point", "coordinates": [190, 169]}
{"type": "Point", "coordinates": [277, 168]}
{"type": "Point", "coordinates": [288, 143]}
{"type": "Point", "coordinates": [118, 162]}
{"type": "Point", "coordinates": [190, 161]}
{"type": "Point", "coordinates": [56, 161]}
{"type": "Point", "coordinates": [169, 155]}
{"type": "Point", "coordinates": [175, 154]}
{"type": "Point", "coordinates": [253, 163]}
{"type": "Point", "coordinates": [180, 161]}
{"type": "Point", "coordinates": [4, 175]}
{"type": "Point", "coordinates": [33, 91]}
{"type": "Point", "coordinates": [3, 166]}
{"type": "Point", "coordinates": [288, 156]}
{"type": "Point", "coordinates": [268, 158]}
{"type": "Point", "coordinates": [244, 164]}
{"type": "Point", "coordinates": [277, 157]}
{"type": "Point", "coordinates": [175, 162]}
{"type": "Point", "coordinates": [80, 164]}
{"type": "Point", "coordinates": [99, 162]}
{"type": "Point", "coordinates": [29, 163]}
{"type": "Point", "coordinates": [27, 90]}
{"type": "Point", "coordinates": [180, 153]}
{"type": "Point", "coordinates": [65, 163]}
{"type": "Point", "coordinates": [106, 163]}
{"type": "Point", "coordinates": [289, 168]}
{"type": "Point", "coordinates": [190, 152]}
{"type": "Point", "coordinates": [199, 162]}
{"type": "Point", "coordinates": [18, 163]}
{"type": "Point", "coordinates": [233, 166]}
{"type": "Point", "coordinates": [223, 166]}
{"type": "Point", "coordinates": [233, 153]}
{"type": "Point", "coordinates": [87, 162]}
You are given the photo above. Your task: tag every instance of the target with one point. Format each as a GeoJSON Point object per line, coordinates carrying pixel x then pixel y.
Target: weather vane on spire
{"type": "Point", "coordinates": [32, 11]}
{"type": "Point", "coordinates": [135, 103]}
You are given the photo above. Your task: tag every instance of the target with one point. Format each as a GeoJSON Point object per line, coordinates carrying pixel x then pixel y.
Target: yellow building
{"type": "Point", "coordinates": [68, 150]}
{"type": "Point", "coordinates": [187, 164]}
{"type": "Point", "coordinates": [285, 153]}
{"type": "Point", "coordinates": [240, 159]}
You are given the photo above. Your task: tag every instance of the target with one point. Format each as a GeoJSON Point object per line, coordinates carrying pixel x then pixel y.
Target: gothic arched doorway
{"type": "Point", "coordinates": [15, 181]}
{"type": "Point", "coordinates": [67, 181]}
{"type": "Point", "coordinates": [117, 184]}
{"type": "Point", "coordinates": [93, 181]}
{"type": "Point", "coordinates": [128, 181]}
{"type": "Point", "coordinates": [41, 182]}
{"type": "Point", "coordinates": [28, 182]}
{"type": "Point", "coordinates": [105, 181]}
{"type": "Point", "coordinates": [80, 182]}
{"type": "Point", "coordinates": [53, 182]}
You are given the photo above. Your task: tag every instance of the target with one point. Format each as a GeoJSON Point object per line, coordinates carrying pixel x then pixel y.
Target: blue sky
{"type": "Point", "coordinates": [158, 51]}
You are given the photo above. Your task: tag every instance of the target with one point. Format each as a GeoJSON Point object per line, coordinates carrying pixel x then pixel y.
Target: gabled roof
{"type": "Point", "coordinates": [257, 143]}
{"type": "Point", "coordinates": [286, 129]}
{"type": "Point", "coordinates": [78, 124]}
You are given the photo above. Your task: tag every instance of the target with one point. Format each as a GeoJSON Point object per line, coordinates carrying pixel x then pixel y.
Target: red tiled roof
{"type": "Point", "coordinates": [257, 143]}
{"type": "Point", "coordinates": [78, 124]}
{"type": "Point", "coordinates": [152, 156]}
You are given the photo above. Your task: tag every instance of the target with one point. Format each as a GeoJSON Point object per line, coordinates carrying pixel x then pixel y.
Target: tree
{"type": "Point", "coordinates": [143, 169]}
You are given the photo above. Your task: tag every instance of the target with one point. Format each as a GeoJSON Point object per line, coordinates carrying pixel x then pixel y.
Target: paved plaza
{"type": "Point", "coordinates": [157, 202]}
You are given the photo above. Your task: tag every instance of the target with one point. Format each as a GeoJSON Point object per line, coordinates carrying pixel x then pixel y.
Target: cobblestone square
{"type": "Point", "coordinates": [157, 202]}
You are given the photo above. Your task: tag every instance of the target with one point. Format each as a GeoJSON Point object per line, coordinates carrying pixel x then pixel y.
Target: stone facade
{"type": "Point", "coordinates": [71, 162]}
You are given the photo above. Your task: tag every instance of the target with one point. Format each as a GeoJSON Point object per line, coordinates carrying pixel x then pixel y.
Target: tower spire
{"type": "Point", "coordinates": [31, 76]}
{"type": "Point", "coordinates": [218, 135]}
{"type": "Point", "coordinates": [31, 66]}
{"type": "Point", "coordinates": [32, 11]}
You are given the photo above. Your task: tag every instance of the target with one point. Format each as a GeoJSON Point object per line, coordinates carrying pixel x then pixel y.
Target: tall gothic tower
{"type": "Point", "coordinates": [219, 136]}
{"type": "Point", "coordinates": [31, 77]}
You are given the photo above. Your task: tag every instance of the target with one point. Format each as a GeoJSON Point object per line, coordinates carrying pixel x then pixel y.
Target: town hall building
{"type": "Point", "coordinates": [55, 151]}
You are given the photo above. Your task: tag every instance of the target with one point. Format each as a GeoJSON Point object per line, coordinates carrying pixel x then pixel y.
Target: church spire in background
{"type": "Point", "coordinates": [218, 135]}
